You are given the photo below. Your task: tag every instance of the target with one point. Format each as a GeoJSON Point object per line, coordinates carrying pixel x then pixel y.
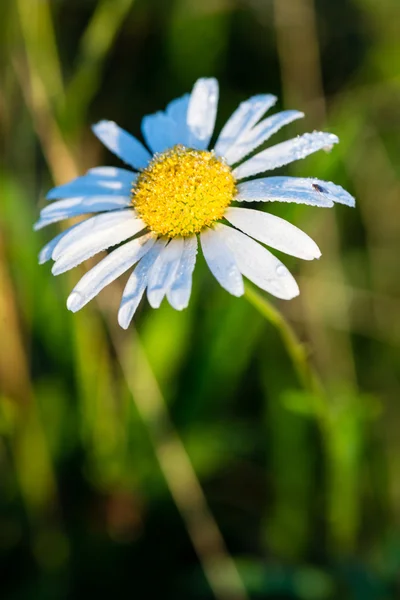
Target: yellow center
{"type": "Point", "coordinates": [182, 191]}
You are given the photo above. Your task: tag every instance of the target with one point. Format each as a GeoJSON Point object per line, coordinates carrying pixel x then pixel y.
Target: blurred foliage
{"type": "Point", "coordinates": [289, 412]}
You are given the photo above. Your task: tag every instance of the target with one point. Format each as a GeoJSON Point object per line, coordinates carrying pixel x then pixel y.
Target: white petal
{"type": "Point", "coordinates": [136, 284]}
{"type": "Point", "coordinates": [107, 270]}
{"type": "Point", "coordinates": [163, 130]}
{"type": "Point", "coordinates": [92, 226]}
{"type": "Point", "coordinates": [221, 262]}
{"type": "Point", "coordinates": [47, 250]}
{"type": "Point", "coordinates": [179, 293]}
{"type": "Point", "coordinates": [158, 131]}
{"type": "Point", "coordinates": [259, 134]}
{"type": "Point", "coordinates": [202, 111]}
{"type": "Point", "coordinates": [293, 189]}
{"type": "Point", "coordinates": [177, 111]}
{"type": "Point", "coordinates": [122, 143]}
{"type": "Point", "coordinates": [177, 108]}
{"type": "Point", "coordinates": [123, 175]}
{"type": "Point", "coordinates": [242, 120]}
{"type": "Point", "coordinates": [274, 232]}
{"type": "Point", "coordinates": [72, 207]}
{"type": "Point", "coordinates": [163, 272]}
{"type": "Point", "coordinates": [93, 236]}
{"type": "Point", "coordinates": [258, 264]}
{"type": "Point", "coordinates": [91, 184]}
{"type": "Point", "coordinates": [285, 153]}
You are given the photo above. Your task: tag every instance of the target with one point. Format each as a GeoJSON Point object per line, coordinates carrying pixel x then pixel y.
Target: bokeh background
{"type": "Point", "coordinates": [244, 448]}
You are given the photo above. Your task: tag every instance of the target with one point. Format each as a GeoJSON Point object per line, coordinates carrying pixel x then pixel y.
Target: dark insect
{"type": "Point", "coordinates": [319, 188]}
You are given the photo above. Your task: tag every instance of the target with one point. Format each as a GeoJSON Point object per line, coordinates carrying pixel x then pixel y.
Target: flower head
{"type": "Point", "coordinates": [181, 191]}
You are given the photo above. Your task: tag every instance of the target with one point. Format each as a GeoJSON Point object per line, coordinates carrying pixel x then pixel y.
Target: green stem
{"type": "Point", "coordinates": [296, 350]}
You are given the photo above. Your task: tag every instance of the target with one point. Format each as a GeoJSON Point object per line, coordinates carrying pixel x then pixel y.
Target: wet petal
{"type": "Point", "coordinates": [259, 134]}
{"type": "Point", "coordinates": [177, 111]}
{"type": "Point", "coordinates": [285, 153]}
{"type": "Point", "coordinates": [163, 130]}
{"type": "Point", "coordinates": [105, 172]}
{"type": "Point", "coordinates": [46, 252]}
{"type": "Point", "coordinates": [107, 270]}
{"type": "Point", "coordinates": [293, 189]}
{"type": "Point", "coordinates": [163, 271]}
{"type": "Point", "coordinates": [136, 284]}
{"type": "Point", "coordinates": [242, 120]}
{"type": "Point", "coordinates": [158, 131]}
{"type": "Point", "coordinates": [122, 144]}
{"type": "Point", "coordinates": [258, 264]}
{"type": "Point", "coordinates": [274, 232]}
{"type": "Point", "coordinates": [221, 262]}
{"type": "Point", "coordinates": [179, 293]}
{"type": "Point", "coordinates": [93, 236]}
{"type": "Point", "coordinates": [92, 184]}
{"type": "Point", "coordinates": [72, 207]}
{"type": "Point", "coordinates": [202, 111]}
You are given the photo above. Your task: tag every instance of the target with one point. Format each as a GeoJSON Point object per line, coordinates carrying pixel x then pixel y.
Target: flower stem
{"type": "Point", "coordinates": [307, 375]}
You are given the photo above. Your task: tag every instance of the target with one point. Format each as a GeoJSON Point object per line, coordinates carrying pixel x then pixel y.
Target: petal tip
{"type": "Point", "coordinates": [42, 258]}
{"type": "Point", "coordinates": [176, 302]}
{"type": "Point", "coordinates": [100, 127]}
{"type": "Point", "coordinates": [351, 201]}
{"type": "Point", "coordinates": [239, 292]}
{"type": "Point", "coordinates": [123, 319]}
{"type": "Point", "coordinates": [38, 225]}
{"type": "Point", "coordinates": [57, 270]}
{"type": "Point", "coordinates": [74, 301]}
{"type": "Point", "coordinates": [154, 300]}
{"type": "Point", "coordinates": [315, 252]}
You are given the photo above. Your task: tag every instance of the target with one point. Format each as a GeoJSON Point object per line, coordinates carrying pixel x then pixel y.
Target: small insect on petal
{"type": "Point", "coordinates": [318, 188]}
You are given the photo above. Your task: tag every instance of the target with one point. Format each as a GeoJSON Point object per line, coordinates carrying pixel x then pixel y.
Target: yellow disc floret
{"type": "Point", "coordinates": [182, 191]}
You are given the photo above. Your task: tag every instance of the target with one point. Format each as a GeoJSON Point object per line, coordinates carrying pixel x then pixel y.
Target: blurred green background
{"type": "Point", "coordinates": [240, 449]}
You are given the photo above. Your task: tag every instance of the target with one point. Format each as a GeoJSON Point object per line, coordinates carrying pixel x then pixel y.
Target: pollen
{"type": "Point", "coordinates": [182, 191]}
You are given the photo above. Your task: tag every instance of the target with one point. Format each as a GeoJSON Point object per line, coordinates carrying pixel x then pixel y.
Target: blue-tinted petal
{"type": "Point", "coordinates": [273, 231]}
{"type": "Point", "coordinates": [293, 189]}
{"type": "Point", "coordinates": [92, 236]}
{"type": "Point", "coordinates": [221, 262]}
{"type": "Point", "coordinates": [242, 120]}
{"type": "Point", "coordinates": [72, 207]}
{"type": "Point", "coordinates": [85, 187]}
{"type": "Point", "coordinates": [46, 252]}
{"type": "Point", "coordinates": [179, 293]}
{"type": "Point", "coordinates": [162, 130]}
{"type": "Point", "coordinates": [107, 270]}
{"type": "Point", "coordinates": [104, 172]}
{"type": "Point", "coordinates": [259, 134]}
{"type": "Point", "coordinates": [177, 111]}
{"type": "Point", "coordinates": [163, 271]}
{"type": "Point", "coordinates": [158, 131]}
{"type": "Point", "coordinates": [285, 153]}
{"type": "Point", "coordinates": [202, 111]}
{"type": "Point", "coordinates": [258, 264]}
{"type": "Point", "coordinates": [95, 183]}
{"type": "Point", "coordinates": [137, 283]}
{"type": "Point", "coordinates": [122, 144]}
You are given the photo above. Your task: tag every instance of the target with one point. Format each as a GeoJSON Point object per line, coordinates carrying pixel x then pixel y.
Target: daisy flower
{"type": "Point", "coordinates": [177, 191]}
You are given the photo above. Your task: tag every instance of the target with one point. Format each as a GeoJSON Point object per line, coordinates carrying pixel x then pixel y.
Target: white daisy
{"type": "Point", "coordinates": [179, 191]}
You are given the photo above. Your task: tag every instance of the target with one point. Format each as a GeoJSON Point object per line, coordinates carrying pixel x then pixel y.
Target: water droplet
{"type": "Point", "coordinates": [281, 270]}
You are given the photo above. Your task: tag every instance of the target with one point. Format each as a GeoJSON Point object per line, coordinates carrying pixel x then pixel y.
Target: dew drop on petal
{"type": "Point", "coordinates": [281, 271]}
